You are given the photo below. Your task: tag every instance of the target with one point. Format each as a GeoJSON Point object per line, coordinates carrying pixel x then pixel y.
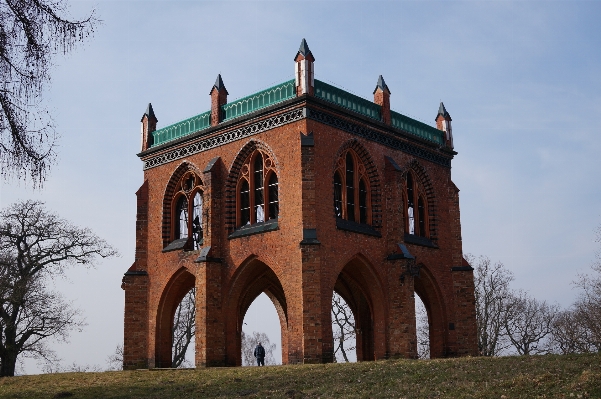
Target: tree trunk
{"type": "Point", "coordinates": [7, 368]}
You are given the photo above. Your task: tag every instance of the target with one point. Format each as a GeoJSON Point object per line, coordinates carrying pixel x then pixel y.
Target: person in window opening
{"type": "Point", "coordinates": [411, 220]}
{"type": "Point", "coordinates": [260, 355]}
{"type": "Point", "coordinates": [260, 214]}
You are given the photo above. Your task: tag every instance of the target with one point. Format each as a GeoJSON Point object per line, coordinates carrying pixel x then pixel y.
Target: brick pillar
{"type": "Point", "coordinates": [382, 98]}
{"type": "Point", "coordinates": [135, 283]}
{"type": "Point", "coordinates": [210, 324]}
{"type": "Point", "coordinates": [401, 333]}
{"type": "Point", "coordinates": [218, 98]}
{"type": "Point", "coordinates": [316, 347]}
{"type": "Point", "coordinates": [149, 125]}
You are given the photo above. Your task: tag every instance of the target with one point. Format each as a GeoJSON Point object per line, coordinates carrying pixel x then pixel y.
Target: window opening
{"type": "Point", "coordinates": [421, 217]}
{"type": "Point", "coordinates": [244, 203]}
{"type": "Point", "coordinates": [273, 196]}
{"type": "Point", "coordinates": [337, 195]}
{"type": "Point", "coordinates": [197, 220]}
{"type": "Point", "coordinates": [362, 202]}
{"type": "Point", "coordinates": [350, 191]}
{"type": "Point", "coordinates": [410, 204]}
{"type": "Point", "coordinates": [258, 182]}
{"type": "Point", "coordinates": [182, 218]}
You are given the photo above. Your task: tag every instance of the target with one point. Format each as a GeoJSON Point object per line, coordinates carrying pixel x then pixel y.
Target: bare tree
{"type": "Point", "coordinates": [31, 32]}
{"type": "Point", "coordinates": [184, 327]}
{"type": "Point", "coordinates": [570, 335]}
{"type": "Point", "coordinates": [36, 245]}
{"type": "Point", "coordinates": [528, 322]}
{"type": "Point", "coordinates": [343, 328]}
{"type": "Point", "coordinates": [422, 329]}
{"type": "Point", "coordinates": [249, 342]}
{"type": "Point", "coordinates": [493, 296]}
{"type": "Point", "coordinates": [115, 361]}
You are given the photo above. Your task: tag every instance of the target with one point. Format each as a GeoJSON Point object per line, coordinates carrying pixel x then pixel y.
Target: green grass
{"type": "Point", "coordinates": [577, 376]}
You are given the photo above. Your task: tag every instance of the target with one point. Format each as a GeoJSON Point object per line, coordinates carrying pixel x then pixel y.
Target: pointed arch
{"type": "Point", "coordinates": [422, 179]}
{"type": "Point", "coordinates": [176, 288]}
{"type": "Point", "coordinates": [172, 189]}
{"type": "Point", "coordinates": [427, 288]}
{"type": "Point", "coordinates": [374, 195]}
{"type": "Point", "coordinates": [232, 182]}
{"type": "Point", "coordinates": [359, 285]}
{"type": "Point", "coordinates": [253, 277]}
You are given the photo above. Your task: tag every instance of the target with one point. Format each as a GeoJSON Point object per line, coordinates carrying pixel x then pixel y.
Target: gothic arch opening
{"type": "Point", "coordinates": [176, 289]}
{"type": "Point", "coordinates": [429, 293]}
{"type": "Point", "coordinates": [359, 287]}
{"type": "Point", "coordinates": [252, 279]}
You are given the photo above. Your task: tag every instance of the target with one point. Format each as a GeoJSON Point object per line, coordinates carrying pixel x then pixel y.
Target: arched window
{"type": "Point", "coordinates": [181, 214]}
{"type": "Point", "coordinates": [415, 211]}
{"type": "Point", "coordinates": [255, 203]}
{"type": "Point", "coordinates": [351, 190]}
{"type": "Point", "coordinates": [187, 208]}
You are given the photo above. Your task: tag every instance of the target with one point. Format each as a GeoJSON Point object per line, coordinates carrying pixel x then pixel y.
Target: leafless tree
{"type": "Point", "coordinates": [36, 245]}
{"type": "Point", "coordinates": [343, 328]}
{"type": "Point", "coordinates": [570, 335]}
{"type": "Point", "coordinates": [528, 323]}
{"type": "Point", "coordinates": [250, 341]}
{"type": "Point", "coordinates": [493, 296]}
{"type": "Point", "coordinates": [422, 329]}
{"type": "Point", "coordinates": [184, 327]}
{"type": "Point", "coordinates": [579, 328]}
{"type": "Point", "coordinates": [31, 33]}
{"type": "Point", "coordinates": [115, 361]}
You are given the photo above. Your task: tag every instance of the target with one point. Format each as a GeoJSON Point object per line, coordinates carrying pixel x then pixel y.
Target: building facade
{"type": "Point", "coordinates": [298, 191]}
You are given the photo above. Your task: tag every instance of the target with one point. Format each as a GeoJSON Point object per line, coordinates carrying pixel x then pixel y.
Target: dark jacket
{"type": "Point", "coordinates": [259, 352]}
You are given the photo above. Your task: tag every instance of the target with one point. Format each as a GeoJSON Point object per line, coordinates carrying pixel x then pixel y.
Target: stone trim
{"type": "Point", "coordinates": [378, 137]}
{"type": "Point", "coordinates": [462, 269]}
{"type": "Point", "coordinates": [256, 228]}
{"type": "Point", "coordinates": [347, 225]}
{"type": "Point", "coordinates": [225, 138]}
{"type": "Point", "coordinates": [417, 240]}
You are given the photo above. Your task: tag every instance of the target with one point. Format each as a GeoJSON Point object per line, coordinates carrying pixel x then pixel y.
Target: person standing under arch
{"type": "Point", "coordinates": [260, 355]}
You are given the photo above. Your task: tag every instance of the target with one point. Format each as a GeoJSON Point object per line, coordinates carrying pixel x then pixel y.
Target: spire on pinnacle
{"type": "Point", "coordinates": [149, 112]}
{"type": "Point", "coordinates": [303, 49]}
{"type": "Point", "coordinates": [219, 84]}
{"type": "Point", "coordinates": [381, 85]}
{"type": "Point", "coordinates": [442, 111]}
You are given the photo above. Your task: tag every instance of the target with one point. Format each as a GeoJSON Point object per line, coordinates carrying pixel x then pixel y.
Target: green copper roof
{"type": "Point", "coordinates": [285, 91]}
{"type": "Point", "coordinates": [347, 100]}
{"type": "Point", "coordinates": [180, 129]}
{"type": "Point", "coordinates": [416, 128]}
{"type": "Point", "coordinates": [259, 100]}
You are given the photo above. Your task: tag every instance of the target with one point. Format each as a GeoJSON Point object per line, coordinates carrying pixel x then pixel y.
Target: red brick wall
{"type": "Point", "coordinates": [300, 278]}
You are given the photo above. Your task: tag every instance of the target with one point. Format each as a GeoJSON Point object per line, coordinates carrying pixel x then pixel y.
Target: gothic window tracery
{"type": "Point", "coordinates": [351, 189]}
{"type": "Point", "coordinates": [257, 202]}
{"type": "Point", "coordinates": [187, 208]}
{"type": "Point", "coordinates": [415, 209]}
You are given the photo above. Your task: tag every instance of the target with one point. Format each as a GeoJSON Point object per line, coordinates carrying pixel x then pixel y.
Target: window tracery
{"type": "Point", "coordinates": [256, 202]}
{"type": "Point", "coordinates": [415, 210]}
{"type": "Point", "coordinates": [188, 209]}
{"type": "Point", "coordinates": [351, 189]}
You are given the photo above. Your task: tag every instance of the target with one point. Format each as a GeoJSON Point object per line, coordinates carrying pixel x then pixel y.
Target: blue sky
{"type": "Point", "coordinates": [520, 79]}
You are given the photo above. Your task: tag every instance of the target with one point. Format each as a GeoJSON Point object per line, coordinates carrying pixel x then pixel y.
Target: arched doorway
{"type": "Point", "coordinates": [261, 324]}
{"type": "Point", "coordinates": [429, 293]}
{"type": "Point", "coordinates": [252, 279]}
{"type": "Point", "coordinates": [176, 289]}
{"type": "Point", "coordinates": [358, 285]}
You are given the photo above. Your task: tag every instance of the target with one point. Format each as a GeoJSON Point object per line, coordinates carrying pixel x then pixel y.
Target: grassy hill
{"type": "Point", "coordinates": [577, 376]}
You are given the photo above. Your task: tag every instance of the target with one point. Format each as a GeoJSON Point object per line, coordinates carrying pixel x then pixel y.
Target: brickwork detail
{"type": "Point", "coordinates": [224, 138]}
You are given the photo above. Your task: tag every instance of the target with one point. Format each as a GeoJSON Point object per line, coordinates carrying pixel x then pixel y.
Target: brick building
{"type": "Point", "coordinates": [298, 191]}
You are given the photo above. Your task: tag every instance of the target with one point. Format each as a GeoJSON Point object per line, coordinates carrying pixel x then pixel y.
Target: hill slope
{"type": "Point", "coordinates": [577, 376]}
